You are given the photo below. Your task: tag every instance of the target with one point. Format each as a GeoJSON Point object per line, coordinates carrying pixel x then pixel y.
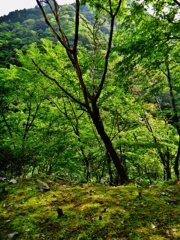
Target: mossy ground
{"type": "Point", "coordinates": [91, 211]}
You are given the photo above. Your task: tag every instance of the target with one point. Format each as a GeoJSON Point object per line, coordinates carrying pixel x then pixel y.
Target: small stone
{"type": "Point", "coordinates": [153, 226]}
{"type": "Point", "coordinates": [3, 179]}
{"type": "Point", "coordinates": [43, 186]}
{"type": "Point", "coordinates": [12, 235]}
{"type": "Point", "coordinates": [164, 194]}
{"type": "Point", "coordinates": [13, 181]}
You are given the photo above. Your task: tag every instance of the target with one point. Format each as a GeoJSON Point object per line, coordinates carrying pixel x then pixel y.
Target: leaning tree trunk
{"type": "Point", "coordinates": [95, 115]}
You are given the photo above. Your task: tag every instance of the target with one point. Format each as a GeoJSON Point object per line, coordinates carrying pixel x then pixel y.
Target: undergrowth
{"type": "Point", "coordinates": [90, 211]}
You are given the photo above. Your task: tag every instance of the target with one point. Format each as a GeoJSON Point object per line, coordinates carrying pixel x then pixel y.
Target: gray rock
{"type": "Point", "coordinates": [12, 235]}
{"type": "Point", "coordinates": [43, 186]}
{"type": "Point", "coordinates": [3, 179]}
{"type": "Point", "coordinates": [13, 181]}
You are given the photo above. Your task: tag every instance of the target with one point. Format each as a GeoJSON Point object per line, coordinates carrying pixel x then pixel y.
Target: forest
{"type": "Point", "coordinates": [91, 91]}
{"type": "Point", "coordinates": [90, 120]}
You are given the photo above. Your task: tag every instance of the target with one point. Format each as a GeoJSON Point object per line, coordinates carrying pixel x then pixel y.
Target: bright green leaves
{"type": "Point", "coordinates": [147, 46]}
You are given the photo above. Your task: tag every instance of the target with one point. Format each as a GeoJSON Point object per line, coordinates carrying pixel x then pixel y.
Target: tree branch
{"type": "Point", "coordinates": [76, 27]}
{"type": "Point", "coordinates": [61, 40]}
{"type": "Point", "coordinates": [57, 83]}
{"type": "Point", "coordinates": [108, 50]}
{"type": "Point", "coordinates": [178, 3]}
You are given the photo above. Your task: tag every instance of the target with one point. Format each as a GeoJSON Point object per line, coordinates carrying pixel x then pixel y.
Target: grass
{"type": "Point", "coordinates": [90, 211]}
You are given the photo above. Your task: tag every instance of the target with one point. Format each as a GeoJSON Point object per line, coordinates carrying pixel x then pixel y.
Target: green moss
{"type": "Point", "coordinates": [90, 212]}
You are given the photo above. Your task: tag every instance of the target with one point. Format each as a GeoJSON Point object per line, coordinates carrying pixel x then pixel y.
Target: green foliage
{"type": "Point", "coordinates": [21, 28]}
{"type": "Point", "coordinates": [42, 131]}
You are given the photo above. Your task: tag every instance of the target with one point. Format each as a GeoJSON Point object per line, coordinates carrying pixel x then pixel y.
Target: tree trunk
{"type": "Point", "coordinates": [88, 170]}
{"type": "Point", "coordinates": [175, 117]}
{"type": "Point", "coordinates": [176, 164]}
{"type": "Point", "coordinates": [109, 168]}
{"type": "Point", "coordinates": [168, 168]}
{"type": "Point", "coordinates": [95, 115]}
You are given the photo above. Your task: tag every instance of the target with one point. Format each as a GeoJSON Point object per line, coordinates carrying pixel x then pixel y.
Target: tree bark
{"type": "Point", "coordinates": [176, 163]}
{"type": "Point", "coordinates": [176, 122]}
{"type": "Point", "coordinates": [95, 115]}
{"type": "Point", "coordinates": [109, 168]}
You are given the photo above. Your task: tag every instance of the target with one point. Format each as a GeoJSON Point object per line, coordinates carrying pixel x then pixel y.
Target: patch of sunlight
{"type": "Point", "coordinates": [156, 237]}
{"type": "Point", "coordinates": [86, 206]}
{"type": "Point", "coordinates": [34, 201]}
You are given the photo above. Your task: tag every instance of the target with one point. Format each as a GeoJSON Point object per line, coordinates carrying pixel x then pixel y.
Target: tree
{"type": "Point", "coordinates": [148, 43]}
{"type": "Point", "coordinates": [90, 95]}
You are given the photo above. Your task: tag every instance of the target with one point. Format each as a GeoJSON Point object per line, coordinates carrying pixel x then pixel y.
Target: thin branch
{"type": "Point", "coordinates": [85, 91]}
{"type": "Point", "coordinates": [57, 83]}
{"type": "Point", "coordinates": [103, 8]}
{"type": "Point", "coordinates": [28, 122]}
{"type": "Point", "coordinates": [119, 130]}
{"type": "Point", "coordinates": [106, 62]}
{"type": "Point", "coordinates": [63, 35]}
{"type": "Point", "coordinates": [57, 106]}
{"type": "Point", "coordinates": [110, 6]}
{"type": "Point", "coordinates": [51, 27]}
{"type": "Point", "coordinates": [108, 51]}
{"type": "Point", "coordinates": [76, 27]}
{"type": "Point", "coordinates": [71, 54]}
{"type": "Point", "coordinates": [173, 102]}
{"type": "Point", "coordinates": [118, 7]}
{"type": "Point", "coordinates": [93, 32]}
{"type": "Point", "coordinates": [7, 125]}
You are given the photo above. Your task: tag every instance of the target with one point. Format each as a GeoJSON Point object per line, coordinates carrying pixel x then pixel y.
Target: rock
{"type": "Point", "coordinates": [13, 181]}
{"type": "Point", "coordinates": [12, 235]}
{"type": "Point", "coordinates": [152, 186]}
{"type": "Point", "coordinates": [54, 198]}
{"type": "Point", "coordinates": [43, 187]}
{"type": "Point", "coordinates": [164, 193]}
{"type": "Point", "coordinates": [3, 179]}
{"type": "Point", "coordinates": [104, 181]}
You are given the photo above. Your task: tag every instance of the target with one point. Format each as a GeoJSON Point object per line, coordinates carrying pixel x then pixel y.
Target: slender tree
{"type": "Point", "coordinates": [90, 98]}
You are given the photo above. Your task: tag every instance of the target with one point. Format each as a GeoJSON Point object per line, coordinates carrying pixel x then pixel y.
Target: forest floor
{"type": "Point", "coordinates": [89, 211]}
